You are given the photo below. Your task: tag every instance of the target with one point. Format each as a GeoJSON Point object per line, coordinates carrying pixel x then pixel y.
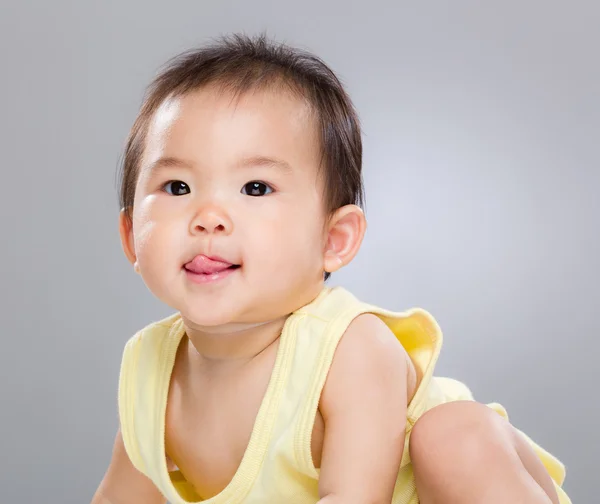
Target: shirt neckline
{"type": "Point", "coordinates": [249, 467]}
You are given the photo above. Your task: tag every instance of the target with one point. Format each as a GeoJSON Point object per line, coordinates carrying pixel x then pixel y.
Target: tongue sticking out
{"type": "Point", "coordinates": [202, 265]}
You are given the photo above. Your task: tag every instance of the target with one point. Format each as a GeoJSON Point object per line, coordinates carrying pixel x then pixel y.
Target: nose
{"type": "Point", "coordinates": [211, 220]}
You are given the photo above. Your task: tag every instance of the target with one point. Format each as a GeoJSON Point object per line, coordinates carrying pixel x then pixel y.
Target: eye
{"type": "Point", "coordinates": [256, 188]}
{"type": "Point", "coordinates": [176, 188]}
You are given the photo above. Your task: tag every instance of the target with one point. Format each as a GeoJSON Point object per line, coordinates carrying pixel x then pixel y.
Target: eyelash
{"type": "Point", "coordinates": [167, 184]}
{"type": "Point", "coordinates": [254, 183]}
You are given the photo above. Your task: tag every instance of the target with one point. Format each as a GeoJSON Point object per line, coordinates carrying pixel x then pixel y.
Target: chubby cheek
{"type": "Point", "coordinates": [287, 251]}
{"type": "Point", "coordinates": [145, 242]}
{"type": "Point", "coordinates": [149, 230]}
{"type": "Point", "coordinates": [154, 246]}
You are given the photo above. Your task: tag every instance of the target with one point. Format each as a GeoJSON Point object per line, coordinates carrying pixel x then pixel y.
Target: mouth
{"type": "Point", "coordinates": [204, 269]}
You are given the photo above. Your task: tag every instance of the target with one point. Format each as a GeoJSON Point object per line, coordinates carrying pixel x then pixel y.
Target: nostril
{"type": "Point", "coordinates": [214, 229]}
{"type": "Point", "coordinates": [209, 222]}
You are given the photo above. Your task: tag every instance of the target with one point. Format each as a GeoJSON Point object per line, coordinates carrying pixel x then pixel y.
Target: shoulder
{"type": "Point", "coordinates": [151, 343]}
{"type": "Point", "coordinates": [146, 359]}
{"type": "Point", "coordinates": [368, 338]}
{"type": "Point", "coordinates": [370, 357]}
{"type": "Point", "coordinates": [369, 333]}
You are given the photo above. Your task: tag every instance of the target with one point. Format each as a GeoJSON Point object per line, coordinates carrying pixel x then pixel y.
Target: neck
{"type": "Point", "coordinates": [234, 342]}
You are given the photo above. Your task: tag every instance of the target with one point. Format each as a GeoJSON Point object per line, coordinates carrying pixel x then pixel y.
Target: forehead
{"type": "Point", "coordinates": [212, 127]}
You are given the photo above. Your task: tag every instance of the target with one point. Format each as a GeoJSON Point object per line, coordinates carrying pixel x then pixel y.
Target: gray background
{"type": "Point", "coordinates": [481, 124]}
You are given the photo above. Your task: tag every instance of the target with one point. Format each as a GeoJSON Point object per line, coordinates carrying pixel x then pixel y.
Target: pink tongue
{"type": "Point", "coordinates": [202, 265]}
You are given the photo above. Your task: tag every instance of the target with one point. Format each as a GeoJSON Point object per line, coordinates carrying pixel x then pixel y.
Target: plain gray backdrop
{"type": "Point", "coordinates": [482, 167]}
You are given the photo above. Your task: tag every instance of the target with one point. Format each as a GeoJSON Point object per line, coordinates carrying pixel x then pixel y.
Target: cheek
{"type": "Point", "coordinates": [142, 224]}
{"type": "Point", "coordinates": [156, 248]}
{"type": "Point", "coordinates": [153, 242]}
{"type": "Point", "coordinates": [154, 225]}
{"type": "Point", "coordinates": [146, 239]}
{"type": "Point", "coordinates": [288, 241]}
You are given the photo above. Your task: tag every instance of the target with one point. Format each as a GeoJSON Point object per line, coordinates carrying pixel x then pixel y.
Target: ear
{"type": "Point", "coordinates": [345, 234]}
{"type": "Point", "coordinates": [126, 232]}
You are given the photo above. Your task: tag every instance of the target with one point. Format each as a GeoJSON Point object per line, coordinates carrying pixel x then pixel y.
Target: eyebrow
{"type": "Point", "coordinates": [257, 161]}
{"type": "Point", "coordinates": [168, 162]}
{"type": "Point", "coordinates": [253, 161]}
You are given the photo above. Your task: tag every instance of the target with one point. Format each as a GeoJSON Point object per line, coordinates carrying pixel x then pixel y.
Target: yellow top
{"type": "Point", "coordinates": [277, 465]}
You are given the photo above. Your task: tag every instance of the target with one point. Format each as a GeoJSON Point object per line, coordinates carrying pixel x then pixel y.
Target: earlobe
{"type": "Point", "coordinates": [346, 231]}
{"type": "Point", "coordinates": [126, 233]}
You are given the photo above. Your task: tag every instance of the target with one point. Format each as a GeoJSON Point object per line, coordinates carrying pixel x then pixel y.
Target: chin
{"type": "Point", "coordinates": [209, 316]}
{"type": "Point", "coordinates": [205, 319]}
{"type": "Point", "coordinates": [221, 321]}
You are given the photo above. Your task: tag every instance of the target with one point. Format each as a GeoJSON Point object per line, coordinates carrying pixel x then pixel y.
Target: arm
{"type": "Point", "coordinates": [364, 405]}
{"type": "Point", "coordinates": [123, 483]}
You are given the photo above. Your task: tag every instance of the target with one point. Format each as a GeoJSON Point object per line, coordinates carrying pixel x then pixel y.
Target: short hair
{"type": "Point", "coordinates": [239, 63]}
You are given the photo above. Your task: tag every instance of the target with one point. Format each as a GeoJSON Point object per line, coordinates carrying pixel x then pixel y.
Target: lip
{"type": "Point", "coordinates": [203, 278]}
{"type": "Point", "coordinates": [199, 272]}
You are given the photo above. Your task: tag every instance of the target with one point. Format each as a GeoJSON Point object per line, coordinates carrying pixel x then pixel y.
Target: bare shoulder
{"type": "Point", "coordinates": [372, 333]}
{"type": "Point", "coordinates": [364, 407]}
{"type": "Point", "coordinates": [368, 355]}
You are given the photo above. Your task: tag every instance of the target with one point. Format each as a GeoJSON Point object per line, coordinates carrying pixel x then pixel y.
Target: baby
{"type": "Point", "coordinates": [241, 193]}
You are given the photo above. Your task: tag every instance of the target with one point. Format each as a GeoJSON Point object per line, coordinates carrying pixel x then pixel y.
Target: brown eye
{"type": "Point", "coordinates": [256, 188]}
{"type": "Point", "coordinates": [176, 188]}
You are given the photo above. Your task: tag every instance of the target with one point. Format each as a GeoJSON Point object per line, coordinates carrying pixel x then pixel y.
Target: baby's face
{"type": "Point", "coordinates": [227, 181]}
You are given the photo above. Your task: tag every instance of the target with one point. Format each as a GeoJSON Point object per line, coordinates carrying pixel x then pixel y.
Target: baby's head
{"type": "Point", "coordinates": [241, 183]}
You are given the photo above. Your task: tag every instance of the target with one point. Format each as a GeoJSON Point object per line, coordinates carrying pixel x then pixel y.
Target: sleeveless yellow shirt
{"type": "Point", "coordinates": [277, 465]}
